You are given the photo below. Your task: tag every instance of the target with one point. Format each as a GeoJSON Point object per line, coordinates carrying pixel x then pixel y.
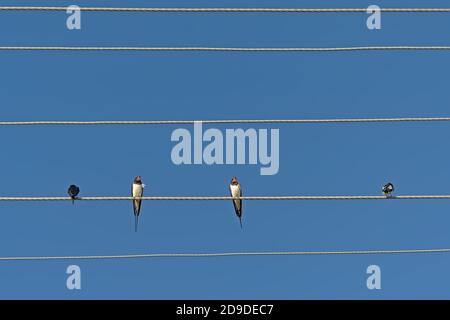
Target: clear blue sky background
{"type": "Point", "coordinates": [314, 159]}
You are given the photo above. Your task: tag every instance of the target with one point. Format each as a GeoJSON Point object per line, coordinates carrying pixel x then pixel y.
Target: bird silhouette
{"type": "Point", "coordinates": [388, 189]}
{"type": "Point", "coordinates": [73, 192]}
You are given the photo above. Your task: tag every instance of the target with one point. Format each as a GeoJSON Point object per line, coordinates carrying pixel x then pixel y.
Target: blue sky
{"type": "Point", "coordinates": [314, 159]}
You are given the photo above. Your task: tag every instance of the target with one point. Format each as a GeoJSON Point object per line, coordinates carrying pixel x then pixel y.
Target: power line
{"type": "Point", "coordinates": [226, 49]}
{"type": "Point", "coordinates": [227, 254]}
{"type": "Point", "coordinates": [218, 198]}
{"type": "Point", "coordinates": [237, 121]}
{"type": "Point", "coordinates": [226, 10]}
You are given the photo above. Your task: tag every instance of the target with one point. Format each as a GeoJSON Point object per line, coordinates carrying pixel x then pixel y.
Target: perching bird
{"type": "Point", "coordinates": [137, 191]}
{"type": "Point", "coordinates": [236, 191]}
{"type": "Point", "coordinates": [73, 192]}
{"type": "Point", "coordinates": [388, 189]}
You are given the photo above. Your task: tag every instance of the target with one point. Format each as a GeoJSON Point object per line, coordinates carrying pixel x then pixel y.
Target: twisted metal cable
{"type": "Point", "coordinates": [226, 254]}
{"type": "Point", "coordinates": [225, 10]}
{"type": "Point", "coordinates": [237, 121]}
{"type": "Point", "coordinates": [250, 198]}
{"type": "Point", "coordinates": [226, 49]}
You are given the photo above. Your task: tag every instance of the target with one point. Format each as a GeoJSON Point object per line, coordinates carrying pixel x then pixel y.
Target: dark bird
{"type": "Point", "coordinates": [388, 189]}
{"type": "Point", "coordinates": [137, 191]}
{"type": "Point", "coordinates": [73, 192]}
{"type": "Point", "coordinates": [236, 192]}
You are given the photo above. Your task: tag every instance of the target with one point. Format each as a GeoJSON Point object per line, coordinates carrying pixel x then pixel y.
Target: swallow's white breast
{"type": "Point", "coordinates": [235, 190]}
{"type": "Point", "coordinates": [137, 190]}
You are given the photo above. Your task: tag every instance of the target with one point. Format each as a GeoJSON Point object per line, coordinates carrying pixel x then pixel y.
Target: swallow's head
{"type": "Point", "coordinates": [138, 180]}
{"type": "Point", "coordinates": [388, 188]}
{"type": "Point", "coordinates": [234, 181]}
{"type": "Point", "coordinates": [73, 190]}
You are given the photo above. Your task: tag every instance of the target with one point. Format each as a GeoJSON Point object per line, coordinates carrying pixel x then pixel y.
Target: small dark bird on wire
{"type": "Point", "coordinates": [137, 191]}
{"type": "Point", "coordinates": [388, 189]}
{"type": "Point", "coordinates": [236, 192]}
{"type": "Point", "coordinates": [73, 192]}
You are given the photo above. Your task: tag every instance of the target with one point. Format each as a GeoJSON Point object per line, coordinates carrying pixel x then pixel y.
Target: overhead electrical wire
{"type": "Point", "coordinates": [224, 10]}
{"type": "Point", "coordinates": [226, 254]}
{"type": "Point", "coordinates": [169, 122]}
{"type": "Point", "coordinates": [235, 121]}
{"type": "Point", "coordinates": [227, 49]}
{"type": "Point", "coordinates": [227, 198]}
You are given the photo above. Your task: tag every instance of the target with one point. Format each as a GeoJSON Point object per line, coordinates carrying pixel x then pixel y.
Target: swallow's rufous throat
{"type": "Point", "coordinates": [236, 192]}
{"type": "Point", "coordinates": [137, 191]}
{"type": "Point", "coordinates": [73, 192]}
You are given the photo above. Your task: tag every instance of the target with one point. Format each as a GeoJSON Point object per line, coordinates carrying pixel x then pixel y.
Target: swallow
{"type": "Point", "coordinates": [137, 191]}
{"type": "Point", "coordinates": [388, 189]}
{"type": "Point", "coordinates": [73, 192]}
{"type": "Point", "coordinates": [236, 192]}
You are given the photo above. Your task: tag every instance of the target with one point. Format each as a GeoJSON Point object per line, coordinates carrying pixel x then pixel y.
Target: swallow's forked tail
{"type": "Point", "coordinates": [136, 221]}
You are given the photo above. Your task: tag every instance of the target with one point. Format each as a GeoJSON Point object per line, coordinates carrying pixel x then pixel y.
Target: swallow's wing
{"type": "Point", "coordinates": [240, 201]}
{"type": "Point", "coordinates": [237, 203]}
{"type": "Point", "coordinates": [134, 202]}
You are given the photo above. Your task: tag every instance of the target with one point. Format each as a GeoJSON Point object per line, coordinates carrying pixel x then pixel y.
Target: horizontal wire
{"type": "Point", "coordinates": [227, 49]}
{"type": "Point", "coordinates": [225, 10]}
{"type": "Point", "coordinates": [181, 122]}
{"type": "Point", "coordinates": [226, 254]}
{"type": "Point", "coordinates": [213, 198]}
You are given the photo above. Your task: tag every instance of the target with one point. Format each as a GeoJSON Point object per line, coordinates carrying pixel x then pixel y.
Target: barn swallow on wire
{"type": "Point", "coordinates": [137, 191]}
{"type": "Point", "coordinates": [236, 192]}
{"type": "Point", "coordinates": [388, 189]}
{"type": "Point", "coordinates": [73, 192]}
